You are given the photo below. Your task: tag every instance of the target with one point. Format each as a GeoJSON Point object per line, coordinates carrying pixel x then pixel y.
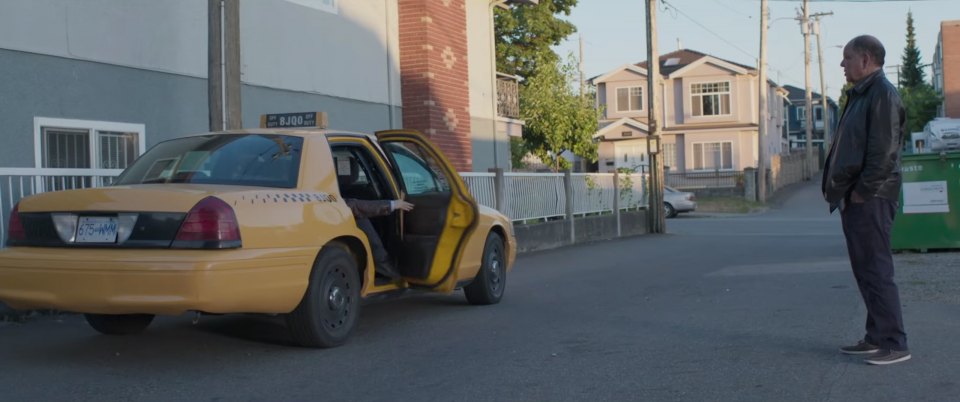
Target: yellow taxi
{"type": "Point", "coordinates": [255, 221]}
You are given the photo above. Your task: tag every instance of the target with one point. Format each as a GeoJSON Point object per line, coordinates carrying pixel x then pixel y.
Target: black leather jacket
{"type": "Point", "coordinates": [865, 153]}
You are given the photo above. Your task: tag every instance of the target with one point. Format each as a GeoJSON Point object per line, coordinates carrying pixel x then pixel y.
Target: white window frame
{"type": "Point", "coordinates": [801, 113]}
{"type": "Point", "coordinates": [729, 93]}
{"type": "Point", "coordinates": [92, 126]}
{"type": "Point", "coordinates": [815, 110]}
{"type": "Point", "coordinates": [630, 105]}
{"type": "Point", "coordinates": [670, 155]}
{"type": "Point", "coordinates": [693, 147]}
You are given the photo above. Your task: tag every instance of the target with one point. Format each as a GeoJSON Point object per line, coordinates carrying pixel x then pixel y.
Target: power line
{"type": "Point", "coordinates": [772, 67]}
{"type": "Point", "coordinates": [665, 3]}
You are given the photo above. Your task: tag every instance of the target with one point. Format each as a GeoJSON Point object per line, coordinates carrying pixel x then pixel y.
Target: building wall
{"type": "Point", "coordinates": [284, 45]}
{"type": "Point", "coordinates": [434, 75]}
{"type": "Point", "coordinates": [624, 79]}
{"type": "Point", "coordinates": [169, 105]}
{"type": "Point", "coordinates": [145, 62]}
{"type": "Point", "coordinates": [490, 144]}
{"type": "Point", "coordinates": [742, 96]}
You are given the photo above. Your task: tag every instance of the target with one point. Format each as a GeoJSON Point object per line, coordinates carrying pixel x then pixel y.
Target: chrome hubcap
{"type": "Point", "coordinates": [336, 299]}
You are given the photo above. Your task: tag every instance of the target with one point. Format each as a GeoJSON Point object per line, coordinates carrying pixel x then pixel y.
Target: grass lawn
{"type": "Point", "coordinates": [736, 205]}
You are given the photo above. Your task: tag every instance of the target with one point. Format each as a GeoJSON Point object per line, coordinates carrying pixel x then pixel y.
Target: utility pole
{"type": "Point", "coordinates": [583, 161]}
{"type": "Point", "coordinates": [223, 68]}
{"type": "Point", "coordinates": [231, 52]}
{"type": "Point", "coordinates": [805, 29]}
{"type": "Point", "coordinates": [825, 110]}
{"type": "Point", "coordinates": [214, 65]}
{"type": "Point", "coordinates": [580, 67]}
{"type": "Point", "coordinates": [656, 223]}
{"type": "Point", "coordinates": [763, 119]}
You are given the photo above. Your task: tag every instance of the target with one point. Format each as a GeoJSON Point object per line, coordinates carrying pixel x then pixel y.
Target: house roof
{"type": "Point", "coordinates": [686, 57]}
{"type": "Point", "coordinates": [674, 63]}
{"type": "Point", "coordinates": [800, 95]}
{"type": "Point", "coordinates": [624, 121]}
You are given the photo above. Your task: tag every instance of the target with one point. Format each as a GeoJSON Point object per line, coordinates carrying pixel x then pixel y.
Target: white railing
{"type": "Point", "coordinates": [533, 196]}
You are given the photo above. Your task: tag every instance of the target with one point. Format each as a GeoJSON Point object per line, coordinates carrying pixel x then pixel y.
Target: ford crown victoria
{"type": "Point", "coordinates": [254, 221]}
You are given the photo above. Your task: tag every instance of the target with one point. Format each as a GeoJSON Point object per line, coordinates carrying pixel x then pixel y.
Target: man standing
{"type": "Point", "coordinates": [862, 179]}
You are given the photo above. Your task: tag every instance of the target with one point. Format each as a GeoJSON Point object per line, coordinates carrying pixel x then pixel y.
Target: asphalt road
{"type": "Point", "coordinates": [727, 308]}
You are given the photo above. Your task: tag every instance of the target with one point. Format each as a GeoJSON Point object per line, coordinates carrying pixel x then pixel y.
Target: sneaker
{"type": "Point", "coordinates": [888, 356]}
{"type": "Point", "coordinates": [861, 348]}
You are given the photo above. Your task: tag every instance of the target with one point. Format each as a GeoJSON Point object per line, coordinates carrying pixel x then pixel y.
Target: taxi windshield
{"type": "Point", "coordinates": [264, 160]}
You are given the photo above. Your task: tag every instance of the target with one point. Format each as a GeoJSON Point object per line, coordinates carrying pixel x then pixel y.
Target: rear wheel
{"type": "Point", "coordinates": [330, 307]}
{"type": "Point", "coordinates": [668, 210]}
{"type": "Point", "coordinates": [488, 286]}
{"type": "Point", "coordinates": [119, 324]}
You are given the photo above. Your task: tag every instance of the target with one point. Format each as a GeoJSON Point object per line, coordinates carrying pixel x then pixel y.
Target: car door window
{"type": "Point", "coordinates": [419, 171]}
{"type": "Point", "coordinates": [357, 175]}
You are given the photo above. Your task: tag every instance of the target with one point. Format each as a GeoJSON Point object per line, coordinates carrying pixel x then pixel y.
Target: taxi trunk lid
{"type": "Point", "coordinates": [138, 216]}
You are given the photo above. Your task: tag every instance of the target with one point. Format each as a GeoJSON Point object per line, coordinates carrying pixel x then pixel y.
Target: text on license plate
{"type": "Point", "coordinates": [97, 229]}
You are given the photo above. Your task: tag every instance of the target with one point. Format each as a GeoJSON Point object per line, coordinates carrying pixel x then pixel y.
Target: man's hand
{"type": "Point", "coordinates": [402, 205]}
{"type": "Point", "coordinates": [856, 198]}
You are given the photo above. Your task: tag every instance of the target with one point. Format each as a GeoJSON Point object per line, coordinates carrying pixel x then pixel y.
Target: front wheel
{"type": "Point", "coordinates": [488, 286]}
{"type": "Point", "coordinates": [330, 307]}
{"type": "Point", "coordinates": [119, 324]}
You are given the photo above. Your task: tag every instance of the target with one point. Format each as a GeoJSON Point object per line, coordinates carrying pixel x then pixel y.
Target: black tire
{"type": "Point", "coordinates": [119, 324]}
{"type": "Point", "coordinates": [330, 308]}
{"type": "Point", "coordinates": [668, 210]}
{"type": "Point", "coordinates": [488, 286]}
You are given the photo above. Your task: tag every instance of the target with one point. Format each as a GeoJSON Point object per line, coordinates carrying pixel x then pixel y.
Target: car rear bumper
{"type": "Point", "coordinates": [111, 281]}
{"type": "Point", "coordinates": [685, 206]}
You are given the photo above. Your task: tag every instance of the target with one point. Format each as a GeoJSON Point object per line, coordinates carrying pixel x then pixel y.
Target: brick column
{"type": "Point", "coordinates": [433, 75]}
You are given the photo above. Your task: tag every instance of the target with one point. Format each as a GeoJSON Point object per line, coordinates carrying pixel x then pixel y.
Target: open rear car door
{"type": "Point", "coordinates": [435, 232]}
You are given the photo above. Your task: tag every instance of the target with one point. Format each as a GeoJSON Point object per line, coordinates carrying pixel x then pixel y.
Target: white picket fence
{"type": "Point", "coordinates": [527, 196]}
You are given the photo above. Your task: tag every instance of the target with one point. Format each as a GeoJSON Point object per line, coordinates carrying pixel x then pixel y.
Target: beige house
{"type": "Point", "coordinates": [710, 120]}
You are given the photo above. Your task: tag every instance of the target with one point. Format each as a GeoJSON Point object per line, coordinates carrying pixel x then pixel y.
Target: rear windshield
{"type": "Point", "coordinates": [263, 160]}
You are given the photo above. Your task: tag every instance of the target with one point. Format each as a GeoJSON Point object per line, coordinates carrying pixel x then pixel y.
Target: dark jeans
{"type": "Point", "coordinates": [867, 229]}
{"type": "Point", "coordinates": [373, 238]}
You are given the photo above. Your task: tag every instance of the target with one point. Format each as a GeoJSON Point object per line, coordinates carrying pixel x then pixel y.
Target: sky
{"type": "Point", "coordinates": [614, 33]}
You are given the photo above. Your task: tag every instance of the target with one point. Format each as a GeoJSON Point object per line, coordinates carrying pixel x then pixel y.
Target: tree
{"type": "Point", "coordinates": [921, 103]}
{"type": "Point", "coordinates": [557, 119]}
{"type": "Point", "coordinates": [911, 73]}
{"type": "Point", "coordinates": [525, 34]}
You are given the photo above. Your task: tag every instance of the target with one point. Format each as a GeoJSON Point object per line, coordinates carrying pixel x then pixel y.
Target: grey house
{"type": "Point", "coordinates": [796, 118]}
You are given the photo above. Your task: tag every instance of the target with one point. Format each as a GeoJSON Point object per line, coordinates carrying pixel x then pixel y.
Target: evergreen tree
{"type": "Point", "coordinates": [911, 73]}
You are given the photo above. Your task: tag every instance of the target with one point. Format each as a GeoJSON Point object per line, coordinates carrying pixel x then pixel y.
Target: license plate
{"type": "Point", "coordinates": [97, 229]}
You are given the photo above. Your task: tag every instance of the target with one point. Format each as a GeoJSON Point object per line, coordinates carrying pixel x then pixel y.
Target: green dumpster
{"type": "Point", "coordinates": [929, 214]}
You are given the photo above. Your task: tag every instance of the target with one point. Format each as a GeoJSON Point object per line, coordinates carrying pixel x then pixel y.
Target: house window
{"type": "Point", "coordinates": [710, 98]}
{"type": "Point", "coordinates": [713, 156]}
{"type": "Point", "coordinates": [629, 99]}
{"type": "Point", "coordinates": [818, 113]}
{"type": "Point", "coordinates": [802, 113]}
{"type": "Point", "coordinates": [83, 144]}
{"type": "Point", "coordinates": [670, 155]}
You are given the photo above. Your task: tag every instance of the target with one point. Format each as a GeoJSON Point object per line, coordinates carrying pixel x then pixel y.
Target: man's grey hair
{"type": "Point", "coordinates": [871, 46]}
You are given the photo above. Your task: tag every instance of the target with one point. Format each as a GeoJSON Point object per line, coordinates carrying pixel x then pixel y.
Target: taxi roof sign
{"type": "Point", "coordinates": [294, 120]}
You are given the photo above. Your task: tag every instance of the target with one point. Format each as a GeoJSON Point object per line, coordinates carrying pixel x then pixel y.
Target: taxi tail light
{"type": "Point", "coordinates": [16, 232]}
{"type": "Point", "coordinates": [209, 224]}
